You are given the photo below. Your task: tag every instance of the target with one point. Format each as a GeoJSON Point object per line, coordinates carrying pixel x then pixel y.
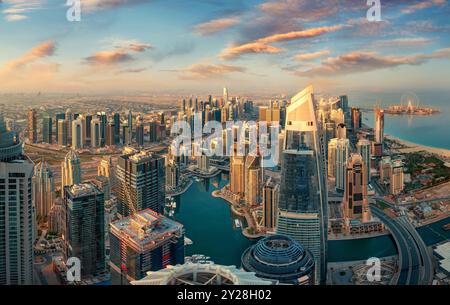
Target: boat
{"type": "Point", "coordinates": [446, 227]}
{"type": "Point", "coordinates": [237, 223]}
{"type": "Point", "coordinates": [187, 241]}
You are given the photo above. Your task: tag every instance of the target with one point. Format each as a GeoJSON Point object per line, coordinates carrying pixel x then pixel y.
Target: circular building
{"type": "Point", "coordinates": [280, 258]}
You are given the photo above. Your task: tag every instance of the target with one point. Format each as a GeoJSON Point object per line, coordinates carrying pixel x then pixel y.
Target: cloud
{"type": "Point", "coordinates": [311, 56]}
{"type": "Point", "coordinates": [362, 61]}
{"type": "Point", "coordinates": [249, 48]}
{"type": "Point", "coordinates": [28, 65]}
{"type": "Point", "coordinates": [131, 70]}
{"type": "Point", "coordinates": [208, 71]}
{"type": "Point", "coordinates": [120, 54]}
{"type": "Point", "coordinates": [215, 25]}
{"type": "Point", "coordinates": [97, 5]}
{"type": "Point", "coordinates": [422, 5]}
{"type": "Point", "coordinates": [403, 42]}
{"type": "Point", "coordinates": [261, 45]}
{"type": "Point", "coordinates": [17, 9]}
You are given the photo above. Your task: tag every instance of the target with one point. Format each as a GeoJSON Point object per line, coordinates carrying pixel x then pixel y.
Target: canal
{"type": "Point", "coordinates": [209, 223]}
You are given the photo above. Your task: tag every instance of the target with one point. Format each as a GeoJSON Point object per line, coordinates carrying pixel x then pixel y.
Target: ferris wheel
{"type": "Point", "coordinates": [410, 101]}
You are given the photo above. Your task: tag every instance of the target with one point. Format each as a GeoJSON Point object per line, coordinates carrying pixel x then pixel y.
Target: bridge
{"type": "Point", "coordinates": [415, 263]}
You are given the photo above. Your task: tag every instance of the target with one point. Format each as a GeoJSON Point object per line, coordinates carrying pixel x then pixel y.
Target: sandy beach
{"type": "Point", "coordinates": [414, 147]}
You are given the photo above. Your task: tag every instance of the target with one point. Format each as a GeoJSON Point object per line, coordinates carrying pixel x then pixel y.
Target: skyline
{"type": "Point", "coordinates": [272, 47]}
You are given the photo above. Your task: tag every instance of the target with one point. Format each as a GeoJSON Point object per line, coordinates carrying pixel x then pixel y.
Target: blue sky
{"type": "Point", "coordinates": [197, 46]}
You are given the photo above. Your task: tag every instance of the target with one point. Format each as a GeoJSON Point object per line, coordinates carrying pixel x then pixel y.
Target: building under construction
{"type": "Point", "coordinates": [145, 241]}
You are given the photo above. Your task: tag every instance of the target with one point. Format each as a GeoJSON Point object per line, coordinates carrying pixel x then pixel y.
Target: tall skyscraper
{"type": "Point", "coordinates": [69, 118]}
{"type": "Point", "coordinates": [109, 134]}
{"type": "Point", "coordinates": [364, 149]}
{"type": "Point", "coordinates": [43, 189]}
{"type": "Point", "coordinates": [130, 127]}
{"type": "Point", "coordinates": [270, 204]}
{"type": "Point", "coordinates": [356, 119]}
{"type": "Point", "coordinates": [342, 154]}
{"type": "Point", "coordinates": [16, 211]}
{"type": "Point", "coordinates": [70, 170]}
{"type": "Point", "coordinates": [397, 177]}
{"type": "Point", "coordinates": [95, 133]}
{"type": "Point", "coordinates": [116, 119]}
{"type": "Point", "coordinates": [303, 196]}
{"type": "Point", "coordinates": [139, 131]}
{"type": "Point", "coordinates": [47, 131]}
{"type": "Point", "coordinates": [145, 241]}
{"type": "Point", "coordinates": [332, 149]}
{"type": "Point", "coordinates": [141, 181]}
{"type": "Point", "coordinates": [103, 122]}
{"type": "Point", "coordinates": [356, 205]}
{"type": "Point", "coordinates": [77, 133]}
{"type": "Point", "coordinates": [32, 126]}
{"type": "Point", "coordinates": [237, 175]}
{"type": "Point", "coordinates": [341, 131]}
{"type": "Point", "coordinates": [379, 125]}
{"type": "Point", "coordinates": [84, 234]}
{"type": "Point", "coordinates": [59, 116]}
{"type": "Point", "coordinates": [225, 95]}
{"type": "Point", "coordinates": [253, 180]}
{"type": "Point", "coordinates": [63, 132]}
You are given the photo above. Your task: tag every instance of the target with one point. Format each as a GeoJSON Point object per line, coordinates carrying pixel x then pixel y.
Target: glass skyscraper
{"type": "Point", "coordinates": [302, 211]}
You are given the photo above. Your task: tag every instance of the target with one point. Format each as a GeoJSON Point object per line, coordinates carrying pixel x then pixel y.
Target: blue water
{"type": "Point", "coordinates": [426, 130]}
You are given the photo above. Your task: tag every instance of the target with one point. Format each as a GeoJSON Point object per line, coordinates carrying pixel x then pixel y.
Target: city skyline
{"type": "Point", "coordinates": [267, 46]}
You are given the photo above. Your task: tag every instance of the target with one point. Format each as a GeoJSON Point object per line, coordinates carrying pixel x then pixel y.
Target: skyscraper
{"type": "Point", "coordinates": [43, 189]}
{"type": "Point", "coordinates": [77, 133]}
{"type": "Point", "coordinates": [63, 131]}
{"type": "Point", "coordinates": [253, 180]}
{"type": "Point", "coordinates": [16, 211]}
{"type": "Point", "coordinates": [379, 125]}
{"type": "Point", "coordinates": [116, 119]}
{"type": "Point", "coordinates": [270, 204]}
{"type": "Point", "coordinates": [332, 149]}
{"type": "Point", "coordinates": [59, 116]}
{"type": "Point", "coordinates": [95, 133]}
{"type": "Point", "coordinates": [341, 131]}
{"type": "Point", "coordinates": [32, 126]}
{"type": "Point", "coordinates": [47, 132]}
{"type": "Point", "coordinates": [141, 181]}
{"type": "Point", "coordinates": [145, 241]}
{"type": "Point", "coordinates": [342, 154]}
{"type": "Point", "coordinates": [397, 179]}
{"type": "Point", "coordinates": [225, 95]}
{"type": "Point", "coordinates": [356, 205]}
{"type": "Point", "coordinates": [356, 119]}
{"type": "Point", "coordinates": [84, 234]}
{"type": "Point", "coordinates": [237, 175]}
{"type": "Point", "coordinates": [109, 134]}
{"type": "Point", "coordinates": [130, 127]}
{"type": "Point", "coordinates": [364, 149]}
{"type": "Point", "coordinates": [139, 131]}
{"type": "Point", "coordinates": [70, 170]}
{"type": "Point", "coordinates": [303, 197]}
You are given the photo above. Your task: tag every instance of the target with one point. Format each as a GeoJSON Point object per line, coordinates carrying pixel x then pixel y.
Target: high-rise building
{"type": "Point", "coordinates": [104, 185]}
{"type": "Point", "coordinates": [356, 205]}
{"type": "Point", "coordinates": [116, 118]}
{"type": "Point", "coordinates": [342, 154]}
{"type": "Point", "coordinates": [145, 241]}
{"type": "Point", "coordinates": [397, 178]}
{"type": "Point", "coordinates": [364, 149]}
{"type": "Point", "coordinates": [385, 169]}
{"type": "Point", "coordinates": [253, 180]}
{"type": "Point", "coordinates": [70, 170]}
{"type": "Point", "coordinates": [16, 211]}
{"type": "Point", "coordinates": [95, 133]}
{"type": "Point", "coordinates": [341, 131]}
{"type": "Point", "coordinates": [172, 175]}
{"type": "Point", "coordinates": [356, 119]}
{"type": "Point", "coordinates": [270, 204]}
{"type": "Point", "coordinates": [332, 149]}
{"type": "Point", "coordinates": [84, 233]}
{"type": "Point", "coordinates": [87, 125]}
{"type": "Point", "coordinates": [109, 135]}
{"type": "Point", "coordinates": [139, 131]}
{"type": "Point", "coordinates": [379, 125]}
{"type": "Point", "coordinates": [141, 181]}
{"type": "Point", "coordinates": [59, 116]}
{"type": "Point", "coordinates": [237, 175]}
{"type": "Point", "coordinates": [63, 132]}
{"type": "Point", "coordinates": [47, 131]}
{"type": "Point", "coordinates": [43, 189]}
{"type": "Point", "coordinates": [103, 122]}
{"type": "Point", "coordinates": [303, 196]}
{"type": "Point", "coordinates": [130, 127]}
{"type": "Point", "coordinates": [77, 133]}
{"type": "Point", "coordinates": [69, 118]}
{"type": "Point", "coordinates": [32, 126]}
{"type": "Point", "coordinates": [225, 95]}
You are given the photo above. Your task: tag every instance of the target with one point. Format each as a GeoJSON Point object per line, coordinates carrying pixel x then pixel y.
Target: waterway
{"type": "Point", "coordinates": [209, 223]}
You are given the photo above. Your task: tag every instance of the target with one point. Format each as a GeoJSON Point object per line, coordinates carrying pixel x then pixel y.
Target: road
{"type": "Point", "coordinates": [415, 263]}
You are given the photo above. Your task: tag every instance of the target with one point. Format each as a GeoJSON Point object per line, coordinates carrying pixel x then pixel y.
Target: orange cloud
{"type": "Point", "coordinates": [207, 71]}
{"type": "Point", "coordinates": [422, 5]}
{"type": "Point", "coordinates": [40, 51]}
{"type": "Point", "coordinates": [108, 58]}
{"type": "Point", "coordinates": [261, 45]}
{"type": "Point", "coordinates": [253, 47]}
{"type": "Point", "coordinates": [311, 56]}
{"type": "Point", "coordinates": [215, 25]}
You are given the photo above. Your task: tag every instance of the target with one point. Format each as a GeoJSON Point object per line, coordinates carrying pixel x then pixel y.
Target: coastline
{"type": "Point", "coordinates": [414, 147]}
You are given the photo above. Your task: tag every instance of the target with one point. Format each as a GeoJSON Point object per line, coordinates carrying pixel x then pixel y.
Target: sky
{"type": "Point", "coordinates": [200, 46]}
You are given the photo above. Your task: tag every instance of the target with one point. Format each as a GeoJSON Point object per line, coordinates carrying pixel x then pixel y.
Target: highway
{"type": "Point", "coordinates": [415, 263]}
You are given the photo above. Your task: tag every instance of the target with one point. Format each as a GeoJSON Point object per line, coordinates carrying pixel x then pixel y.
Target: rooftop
{"type": "Point", "coordinates": [146, 229]}
{"type": "Point", "coordinates": [83, 189]}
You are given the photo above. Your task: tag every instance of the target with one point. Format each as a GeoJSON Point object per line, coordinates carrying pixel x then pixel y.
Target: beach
{"type": "Point", "coordinates": [414, 147]}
